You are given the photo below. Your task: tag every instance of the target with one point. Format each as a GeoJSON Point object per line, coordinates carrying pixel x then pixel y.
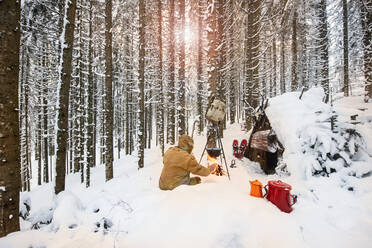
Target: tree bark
{"type": "Point", "coordinates": [64, 92]}
{"type": "Point", "coordinates": [252, 81]}
{"type": "Point", "coordinates": [171, 87]}
{"type": "Point", "coordinates": [182, 86]}
{"type": "Point", "coordinates": [160, 107]}
{"type": "Point", "coordinates": [366, 12]}
{"type": "Point", "coordinates": [324, 49]}
{"type": "Point", "coordinates": [10, 181]}
{"type": "Point", "coordinates": [141, 120]}
{"type": "Point", "coordinates": [90, 124]}
{"type": "Point", "coordinates": [109, 108]}
{"type": "Point", "coordinates": [212, 60]}
{"type": "Point", "coordinates": [200, 67]}
{"type": "Point", "coordinates": [346, 47]}
{"type": "Point", "coordinates": [294, 84]}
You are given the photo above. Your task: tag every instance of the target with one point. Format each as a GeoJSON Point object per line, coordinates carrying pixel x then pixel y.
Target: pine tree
{"type": "Point", "coordinates": [64, 91]}
{"type": "Point", "coordinates": [346, 47]}
{"type": "Point", "coordinates": [366, 18]}
{"type": "Point", "coordinates": [294, 84]}
{"type": "Point", "coordinates": [199, 69]}
{"type": "Point", "coordinates": [171, 127]}
{"type": "Point", "coordinates": [90, 132]}
{"type": "Point", "coordinates": [181, 73]}
{"type": "Point", "coordinates": [10, 183]}
{"type": "Point", "coordinates": [160, 98]}
{"type": "Point", "coordinates": [108, 106]}
{"type": "Point", "coordinates": [323, 47]}
{"type": "Point", "coordinates": [141, 86]}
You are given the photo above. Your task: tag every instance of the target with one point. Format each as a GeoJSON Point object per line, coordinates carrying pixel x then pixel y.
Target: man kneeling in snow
{"type": "Point", "coordinates": [178, 163]}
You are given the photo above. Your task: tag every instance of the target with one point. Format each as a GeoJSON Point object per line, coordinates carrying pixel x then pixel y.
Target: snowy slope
{"type": "Point", "coordinates": [130, 210]}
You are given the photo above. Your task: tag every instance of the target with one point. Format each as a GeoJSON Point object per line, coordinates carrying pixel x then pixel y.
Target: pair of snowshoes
{"type": "Point", "coordinates": [238, 150]}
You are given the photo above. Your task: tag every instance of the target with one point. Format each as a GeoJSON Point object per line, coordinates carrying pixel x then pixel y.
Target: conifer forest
{"type": "Point", "coordinates": [92, 88]}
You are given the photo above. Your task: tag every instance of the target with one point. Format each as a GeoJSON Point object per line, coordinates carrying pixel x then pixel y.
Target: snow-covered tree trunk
{"type": "Point", "coordinates": [45, 115]}
{"type": "Point", "coordinates": [90, 124]}
{"type": "Point", "coordinates": [199, 65]}
{"type": "Point", "coordinates": [346, 47]}
{"type": "Point", "coordinates": [160, 96]}
{"type": "Point", "coordinates": [294, 83]}
{"type": "Point", "coordinates": [252, 63]}
{"type": "Point", "coordinates": [323, 46]}
{"type": "Point", "coordinates": [109, 154]}
{"type": "Point", "coordinates": [212, 59]}
{"type": "Point", "coordinates": [366, 17]}
{"type": "Point", "coordinates": [63, 95]}
{"type": "Point", "coordinates": [171, 120]}
{"type": "Point", "coordinates": [181, 73]}
{"type": "Point", "coordinates": [141, 84]}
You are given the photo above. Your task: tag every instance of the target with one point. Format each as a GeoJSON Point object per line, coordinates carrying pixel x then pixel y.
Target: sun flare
{"type": "Point", "coordinates": [189, 35]}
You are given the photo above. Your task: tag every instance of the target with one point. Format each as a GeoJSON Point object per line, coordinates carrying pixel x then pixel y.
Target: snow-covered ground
{"type": "Point", "coordinates": [131, 211]}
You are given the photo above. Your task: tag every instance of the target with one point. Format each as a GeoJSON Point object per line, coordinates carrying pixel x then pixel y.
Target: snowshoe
{"type": "Point", "coordinates": [242, 147]}
{"type": "Point", "coordinates": [236, 148]}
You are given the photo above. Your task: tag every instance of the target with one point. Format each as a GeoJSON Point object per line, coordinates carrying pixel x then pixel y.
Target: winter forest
{"type": "Point", "coordinates": [94, 92]}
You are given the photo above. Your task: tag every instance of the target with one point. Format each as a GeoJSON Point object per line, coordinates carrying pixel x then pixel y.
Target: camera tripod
{"type": "Point", "coordinates": [214, 130]}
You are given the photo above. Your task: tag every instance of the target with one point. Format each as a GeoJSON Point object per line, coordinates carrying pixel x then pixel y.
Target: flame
{"type": "Point", "coordinates": [212, 162]}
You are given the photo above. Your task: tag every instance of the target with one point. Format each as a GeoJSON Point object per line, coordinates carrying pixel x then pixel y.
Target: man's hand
{"type": "Point", "coordinates": [212, 168]}
{"type": "Point", "coordinates": [216, 169]}
{"type": "Point", "coordinates": [195, 180]}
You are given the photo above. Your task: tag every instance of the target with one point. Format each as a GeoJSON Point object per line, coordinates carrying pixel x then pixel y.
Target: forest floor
{"type": "Point", "coordinates": [131, 211]}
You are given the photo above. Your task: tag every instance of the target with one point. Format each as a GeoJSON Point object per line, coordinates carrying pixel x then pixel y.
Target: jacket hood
{"type": "Point", "coordinates": [186, 143]}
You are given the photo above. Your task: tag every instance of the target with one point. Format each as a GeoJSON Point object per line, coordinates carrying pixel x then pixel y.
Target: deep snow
{"type": "Point", "coordinates": [131, 211]}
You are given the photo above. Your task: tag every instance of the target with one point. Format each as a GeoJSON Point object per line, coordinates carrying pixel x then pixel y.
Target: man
{"type": "Point", "coordinates": [178, 163]}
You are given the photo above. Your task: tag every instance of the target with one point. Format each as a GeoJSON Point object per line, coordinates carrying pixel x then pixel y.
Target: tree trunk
{"type": "Point", "coordinates": [212, 59]}
{"type": "Point", "coordinates": [160, 107]}
{"type": "Point", "coordinates": [182, 83]}
{"type": "Point", "coordinates": [274, 68]}
{"type": "Point", "coordinates": [366, 12]}
{"type": "Point", "coordinates": [10, 181]}
{"type": "Point", "coordinates": [39, 132]}
{"type": "Point", "coordinates": [171, 88]}
{"type": "Point", "coordinates": [324, 49]}
{"type": "Point", "coordinates": [141, 86]}
{"type": "Point", "coordinates": [346, 48]}
{"type": "Point", "coordinates": [45, 119]}
{"type": "Point", "coordinates": [64, 91]}
{"type": "Point", "coordinates": [90, 124]}
{"type": "Point", "coordinates": [282, 63]}
{"type": "Point", "coordinates": [200, 67]}
{"type": "Point", "coordinates": [294, 83]}
{"type": "Point", "coordinates": [109, 108]}
{"type": "Point", "coordinates": [252, 29]}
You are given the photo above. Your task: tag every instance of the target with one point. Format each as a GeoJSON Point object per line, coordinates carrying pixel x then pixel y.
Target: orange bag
{"type": "Point", "coordinates": [256, 188]}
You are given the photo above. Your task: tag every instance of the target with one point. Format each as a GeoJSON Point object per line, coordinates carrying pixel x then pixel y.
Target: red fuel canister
{"type": "Point", "coordinates": [279, 194]}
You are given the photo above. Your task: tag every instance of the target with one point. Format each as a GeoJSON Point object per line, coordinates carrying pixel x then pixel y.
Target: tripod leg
{"type": "Point", "coordinates": [205, 147]}
{"type": "Point", "coordinates": [223, 153]}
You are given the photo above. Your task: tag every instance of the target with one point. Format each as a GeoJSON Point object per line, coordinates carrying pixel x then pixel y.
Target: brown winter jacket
{"type": "Point", "coordinates": [178, 163]}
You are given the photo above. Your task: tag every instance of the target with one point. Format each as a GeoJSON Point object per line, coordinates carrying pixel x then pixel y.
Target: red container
{"type": "Point", "coordinates": [279, 194]}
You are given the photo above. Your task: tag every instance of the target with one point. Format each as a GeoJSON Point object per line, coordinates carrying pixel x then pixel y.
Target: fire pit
{"type": "Point", "coordinates": [214, 152]}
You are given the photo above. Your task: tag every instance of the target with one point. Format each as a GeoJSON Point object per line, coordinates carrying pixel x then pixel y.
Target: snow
{"type": "Point", "coordinates": [131, 211]}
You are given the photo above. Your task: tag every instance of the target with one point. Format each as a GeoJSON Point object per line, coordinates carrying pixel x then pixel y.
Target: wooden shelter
{"type": "Point", "coordinates": [264, 146]}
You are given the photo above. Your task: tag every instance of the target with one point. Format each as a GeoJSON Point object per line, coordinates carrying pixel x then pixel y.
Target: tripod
{"type": "Point", "coordinates": [215, 130]}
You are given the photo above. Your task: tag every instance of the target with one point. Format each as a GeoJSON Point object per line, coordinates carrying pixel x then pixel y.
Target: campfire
{"type": "Point", "coordinates": [212, 154]}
